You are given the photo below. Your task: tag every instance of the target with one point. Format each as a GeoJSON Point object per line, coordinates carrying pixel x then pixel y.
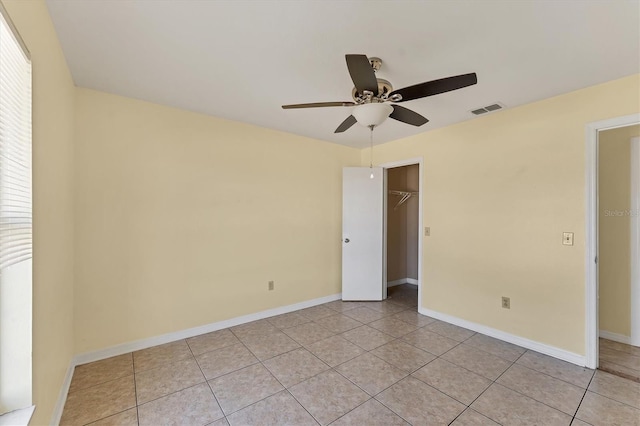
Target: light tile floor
{"type": "Point", "coordinates": [620, 359]}
{"type": "Point", "coordinates": [346, 363]}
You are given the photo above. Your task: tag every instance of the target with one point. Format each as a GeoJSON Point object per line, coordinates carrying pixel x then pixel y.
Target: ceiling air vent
{"type": "Point", "coordinates": [488, 108]}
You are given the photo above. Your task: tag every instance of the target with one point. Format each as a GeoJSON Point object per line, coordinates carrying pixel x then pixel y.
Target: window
{"type": "Point", "coordinates": [15, 220]}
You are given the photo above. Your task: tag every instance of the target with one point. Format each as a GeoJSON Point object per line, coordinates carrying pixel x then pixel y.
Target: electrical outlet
{"type": "Point", "coordinates": [567, 238]}
{"type": "Point", "coordinates": [427, 231]}
{"type": "Point", "coordinates": [271, 285]}
{"type": "Point", "coordinates": [506, 302]}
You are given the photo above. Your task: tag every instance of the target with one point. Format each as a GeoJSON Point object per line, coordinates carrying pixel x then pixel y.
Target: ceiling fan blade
{"type": "Point", "coordinates": [435, 87]}
{"type": "Point", "coordinates": [319, 105]}
{"type": "Point", "coordinates": [407, 116]}
{"type": "Point", "coordinates": [346, 124]}
{"type": "Point", "coordinates": [362, 73]}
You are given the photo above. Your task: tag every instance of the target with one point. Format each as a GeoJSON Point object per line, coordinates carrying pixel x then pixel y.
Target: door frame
{"type": "Point", "coordinates": [635, 241]}
{"type": "Point", "coordinates": [392, 165]}
{"type": "Point", "coordinates": [591, 238]}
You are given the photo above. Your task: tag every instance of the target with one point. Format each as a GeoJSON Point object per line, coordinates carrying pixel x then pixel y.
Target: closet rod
{"type": "Point", "coordinates": [405, 195]}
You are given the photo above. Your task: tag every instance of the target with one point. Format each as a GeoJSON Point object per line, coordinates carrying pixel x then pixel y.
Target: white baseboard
{"type": "Point", "coordinates": [621, 338]}
{"type": "Point", "coordinates": [402, 281]}
{"type": "Point", "coordinates": [396, 282]}
{"type": "Point", "coordinates": [196, 331]}
{"type": "Point", "coordinates": [171, 337]}
{"type": "Point", "coordinates": [62, 396]}
{"type": "Point", "coordinates": [508, 337]}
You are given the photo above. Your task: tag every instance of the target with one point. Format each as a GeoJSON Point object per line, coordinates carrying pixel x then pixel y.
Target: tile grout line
{"type": "Point", "coordinates": [165, 364]}
{"type": "Point", "coordinates": [549, 375]}
{"type": "Point", "coordinates": [519, 356]}
{"type": "Point", "coordinates": [479, 413]}
{"type": "Point", "coordinates": [613, 399]}
{"type": "Point", "coordinates": [240, 341]}
{"type": "Point", "coordinates": [394, 383]}
{"type": "Point", "coordinates": [399, 340]}
{"type": "Point", "coordinates": [371, 352]}
{"type": "Point", "coordinates": [224, 415]}
{"type": "Point", "coordinates": [333, 368]}
{"type": "Point", "coordinates": [482, 393]}
{"type": "Point", "coordinates": [530, 397]}
{"type": "Point", "coordinates": [353, 409]}
{"type": "Point", "coordinates": [582, 399]}
{"type": "Point", "coordinates": [135, 387]}
{"type": "Point", "coordinates": [324, 371]}
{"type": "Point", "coordinates": [374, 396]}
{"type": "Point", "coordinates": [300, 403]}
{"type": "Point", "coordinates": [367, 393]}
{"type": "Point", "coordinates": [102, 383]}
{"type": "Point", "coordinates": [389, 408]}
{"type": "Point", "coordinates": [172, 393]}
{"type": "Point", "coordinates": [284, 388]}
{"type": "Point", "coordinates": [366, 351]}
{"type": "Point", "coordinates": [112, 380]}
{"type": "Point", "coordinates": [222, 375]}
{"type": "Point", "coordinates": [443, 392]}
{"type": "Point", "coordinates": [544, 374]}
{"type": "Point", "coordinates": [292, 395]}
{"type": "Point", "coordinates": [527, 396]}
{"type": "Point", "coordinates": [176, 391]}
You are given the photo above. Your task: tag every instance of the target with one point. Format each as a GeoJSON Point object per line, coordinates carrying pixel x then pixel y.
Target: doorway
{"type": "Point", "coordinates": [616, 215]}
{"type": "Point", "coordinates": [402, 273]}
{"type": "Point", "coordinates": [613, 255]}
{"type": "Point", "coordinates": [365, 197]}
{"type": "Point", "coordinates": [403, 184]}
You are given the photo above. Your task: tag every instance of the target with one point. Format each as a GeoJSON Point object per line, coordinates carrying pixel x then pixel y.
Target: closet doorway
{"type": "Point", "coordinates": [618, 194]}
{"type": "Point", "coordinates": [612, 239]}
{"type": "Point", "coordinates": [403, 224]}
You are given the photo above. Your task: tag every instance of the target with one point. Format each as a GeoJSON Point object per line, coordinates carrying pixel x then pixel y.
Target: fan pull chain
{"type": "Point", "coordinates": [371, 145]}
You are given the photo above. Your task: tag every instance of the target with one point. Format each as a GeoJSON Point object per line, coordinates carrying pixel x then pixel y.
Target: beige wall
{"type": "Point", "coordinates": [53, 116]}
{"type": "Point", "coordinates": [499, 191]}
{"type": "Point", "coordinates": [402, 225]}
{"type": "Point", "coordinates": [182, 219]}
{"type": "Point", "coordinates": [614, 192]}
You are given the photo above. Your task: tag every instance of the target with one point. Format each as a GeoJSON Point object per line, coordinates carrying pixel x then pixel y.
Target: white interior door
{"type": "Point", "coordinates": [362, 233]}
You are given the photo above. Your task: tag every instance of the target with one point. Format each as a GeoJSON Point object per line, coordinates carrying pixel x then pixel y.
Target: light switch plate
{"type": "Point", "coordinates": [427, 231]}
{"type": "Point", "coordinates": [567, 238]}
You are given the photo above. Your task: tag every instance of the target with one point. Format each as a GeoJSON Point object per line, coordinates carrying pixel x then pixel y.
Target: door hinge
{"type": "Point", "coordinates": [596, 260]}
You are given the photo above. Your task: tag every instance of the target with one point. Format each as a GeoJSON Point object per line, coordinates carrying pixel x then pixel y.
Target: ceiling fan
{"type": "Point", "coordinates": [374, 98]}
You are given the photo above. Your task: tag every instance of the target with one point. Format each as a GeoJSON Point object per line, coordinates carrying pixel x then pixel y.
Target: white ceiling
{"type": "Point", "coordinates": [241, 60]}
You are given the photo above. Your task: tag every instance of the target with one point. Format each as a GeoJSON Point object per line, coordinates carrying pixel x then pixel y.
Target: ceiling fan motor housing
{"type": "Point", "coordinates": [384, 88]}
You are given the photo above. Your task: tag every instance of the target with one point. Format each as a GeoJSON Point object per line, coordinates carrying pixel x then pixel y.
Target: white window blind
{"type": "Point", "coordinates": [15, 150]}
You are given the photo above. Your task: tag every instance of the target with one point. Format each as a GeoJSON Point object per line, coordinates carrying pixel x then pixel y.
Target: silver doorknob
{"type": "Point", "coordinates": [346, 240]}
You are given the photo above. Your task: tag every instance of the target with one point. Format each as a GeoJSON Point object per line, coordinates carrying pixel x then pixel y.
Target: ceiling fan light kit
{"type": "Point", "coordinates": [372, 114]}
{"type": "Point", "coordinates": [371, 95]}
